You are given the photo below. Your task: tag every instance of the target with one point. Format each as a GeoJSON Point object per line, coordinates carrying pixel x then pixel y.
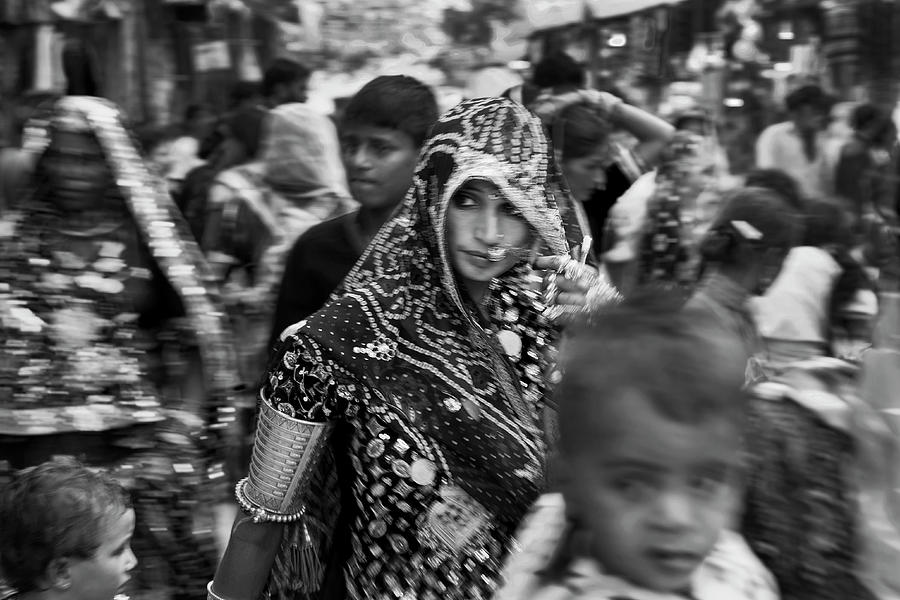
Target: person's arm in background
{"type": "Point", "coordinates": [652, 132]}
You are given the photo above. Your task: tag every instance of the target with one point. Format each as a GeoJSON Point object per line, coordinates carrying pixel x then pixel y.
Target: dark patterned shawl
{"type": "Point", "coordinates": [400, 326]}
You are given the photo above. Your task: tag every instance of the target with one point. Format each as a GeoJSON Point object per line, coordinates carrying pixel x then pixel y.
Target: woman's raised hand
{"type": "Point", "coordinates": [573, 290]}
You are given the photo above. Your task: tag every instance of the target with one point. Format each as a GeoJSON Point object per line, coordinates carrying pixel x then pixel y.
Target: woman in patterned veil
{"type": "Point", "coordinates": [112, 346]}
{"type": "Point", "coordinates": [428, 371]}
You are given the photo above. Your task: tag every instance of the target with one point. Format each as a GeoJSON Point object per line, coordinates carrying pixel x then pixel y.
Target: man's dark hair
{"type": "Point", "coordinates": [808, 95]}
{"type": "Point", "coordinates": [556, 69]}
{"type": "Point", "coordinates": [283, 71]}
{"type": "Point", "coordinates": [395, 102]}
{"type": "Point", "coordinates": [776, 180]}
{"type": "Point", "coordinates": [243, 91]}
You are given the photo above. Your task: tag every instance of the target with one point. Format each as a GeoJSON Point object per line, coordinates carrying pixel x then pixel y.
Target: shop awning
{"type": "Point", "coordinates": [548, 14]}
{"type": "Point", "coordinates": [25, 12]}
{"type": "Point", "coordinates": [30, 12]}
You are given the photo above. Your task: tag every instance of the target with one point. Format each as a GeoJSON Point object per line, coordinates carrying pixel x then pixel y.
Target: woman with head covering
{"type": "Point", "coordinates": [111, 344]}
{"type": "Point", "coordinates": [742, 253]}
{"type": "Point", "coordinates": [815, 450]}
{"type": "Point", "coordinates": [259, 209]}
{"type": "Point", "coordinates": [427, 374]}
{"type": "Point", "coordinates": [583, 127]}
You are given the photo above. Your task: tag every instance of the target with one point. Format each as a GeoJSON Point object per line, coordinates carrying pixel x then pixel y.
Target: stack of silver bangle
{"type": "Point", "coordinates": [285, 453]}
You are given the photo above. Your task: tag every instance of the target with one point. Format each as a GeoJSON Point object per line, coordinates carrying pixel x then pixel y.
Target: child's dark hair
{"type": "Point", "coordinates": [763, 210]}
{"type": "Point", "coordinates": [283, 71]}
{"type": "Point", "coordinates": [395, 102]}
{"type": "Point", "coordinates": [681, 360]}
{"type": "Point", "coordinates": [777, 181]}
{"type": "Point", "coordinates": [558, 69]}
{"type": "Point", "coordinates": [54, 510]}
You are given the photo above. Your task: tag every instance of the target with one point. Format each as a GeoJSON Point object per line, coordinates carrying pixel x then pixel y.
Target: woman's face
{"type": "Point", "coordinates": [484, 235]}
{"type": "Point", "coordinates": [76, 170]}
{"type": "Point", "coordinates": [587, 173]}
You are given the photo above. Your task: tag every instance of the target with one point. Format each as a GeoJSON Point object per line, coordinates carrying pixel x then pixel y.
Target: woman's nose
{"type": "Point", "coordinates": [132, 560]}
{"type": "Point", "coordinates": [488, 230]}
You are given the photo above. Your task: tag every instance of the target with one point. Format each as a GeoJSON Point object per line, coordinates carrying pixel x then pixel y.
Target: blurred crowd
{"type": "Point", "coordinates": [544, 345]}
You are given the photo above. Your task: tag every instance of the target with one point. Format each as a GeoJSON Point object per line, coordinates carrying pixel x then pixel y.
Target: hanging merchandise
{"type": "Point", "coordinates": [738, 18]}
{"type": "Point", "coordinates": [44, 43]}
{"type": "Point", "coordinates": [211, 56]}
{"type": "Point", "coordinates": [86, 10]}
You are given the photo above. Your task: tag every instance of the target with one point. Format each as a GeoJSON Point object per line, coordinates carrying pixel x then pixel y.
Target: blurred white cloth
{"type": "Point", "coordinates": [795, 307]}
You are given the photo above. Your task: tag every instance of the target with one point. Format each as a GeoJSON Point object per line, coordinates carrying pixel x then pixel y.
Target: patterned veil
{"type": "Point", "coordinates": [416, 336]}
{"type": "Point", "coordinates": [404, 356]}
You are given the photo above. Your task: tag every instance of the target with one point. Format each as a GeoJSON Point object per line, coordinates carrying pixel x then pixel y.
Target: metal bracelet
{"type": "Point", "coordinates": [258, 513]}
{"type": "Point", "coordinates": [210, 594]}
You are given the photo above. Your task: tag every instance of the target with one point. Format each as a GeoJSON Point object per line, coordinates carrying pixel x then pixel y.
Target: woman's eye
{"type": "Point", "coordinates": [464, 201]}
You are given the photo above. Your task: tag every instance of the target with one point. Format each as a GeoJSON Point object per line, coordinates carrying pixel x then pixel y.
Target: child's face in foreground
{"type": "Point", "coordinates": [104, 574]}
{"type": "Point", "coordinates": [652, 493]}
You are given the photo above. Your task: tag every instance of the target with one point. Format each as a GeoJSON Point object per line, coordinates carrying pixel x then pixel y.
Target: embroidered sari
{"type": "Point", "coordinates": [444, 436]}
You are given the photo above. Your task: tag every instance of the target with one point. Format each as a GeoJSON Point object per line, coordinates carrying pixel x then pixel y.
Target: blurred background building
{"type": "Point", "coordinates": [735, 58]}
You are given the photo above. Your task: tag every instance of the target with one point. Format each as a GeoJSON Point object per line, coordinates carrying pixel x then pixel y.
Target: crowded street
{"type": "Point", "coordinates": [450, 300]}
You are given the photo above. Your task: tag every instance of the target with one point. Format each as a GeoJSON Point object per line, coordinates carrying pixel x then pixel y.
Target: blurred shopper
{"type": "Point", "coordinates": [285, 81]}
{"type": "Point", "coordinates": [257, 212]}
{"type": "Point", "coordinates": [798, 146]}
{"type": "Point", "coordinates": [15, 161]}
{"type": "Point", "coordinates": [810, 438]}
{"type": "Point", "coordinates": [235, 141]}
{"type": "Point", "coordinates": [867, 176]}
{"type": "Point", "coordinates": [403, 388]}
{"type": "Point", "coordinates": [651, 423]}
{"type": "Point", "coordinates": [111, 344]}
{"type": "Point", "coordinates": [597, 169]}
{"type": "Point", "coordinates": [742, 252]}
{"type": "Point", "coordinates": [867, 170]}
{"type": "Point", "coordinates": [66, 533]}
{"type": "Point", "coordinates": [383, 128]}
{"type": "Point", "coordinates": [184, 151]}
{"type": "Point", "coordinates": [822, 303]}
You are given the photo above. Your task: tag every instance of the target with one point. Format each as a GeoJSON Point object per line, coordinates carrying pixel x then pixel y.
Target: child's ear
{"type": "Point", "coordinates": [58, 575]}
